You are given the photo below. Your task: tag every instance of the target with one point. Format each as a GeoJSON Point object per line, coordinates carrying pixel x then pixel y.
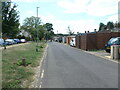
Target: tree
{"type": "Point", "coordinates": [110, 25]}
{"type": "Point", "coordinates": [118, 25]}
{"type": "Point", "coordinates": [32, 22]}
{"type": "Point", "coordinates": [101, 26]}
{"type": "Point", "coordinates": [49, 31]}
{"type": "Point", "coordinates": [10, 20]}
{"type": "Point", "coordinates": [49, 26]}
{"type": "Point", "coordinates": [32, 25]}
{"type": "Point", "coordinates": [41, 31]}
{"type": "Point", "coordinates": [70, 31]}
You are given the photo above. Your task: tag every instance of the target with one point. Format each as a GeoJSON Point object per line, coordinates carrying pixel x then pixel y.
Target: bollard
{"type": "Point", "coordinates": [115, 52]}
{"type": "Point", "coordinates": [118, 52]}
{"type": "Point", "coordinates": [5, 47]}
{"type": "Point", "coordinates": [23, 62]}
{"type": "Point", "coordinates": [112, 52]}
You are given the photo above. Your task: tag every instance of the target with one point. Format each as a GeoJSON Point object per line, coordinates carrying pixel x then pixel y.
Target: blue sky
{"type": "Point", "coordinates": [80, 15]}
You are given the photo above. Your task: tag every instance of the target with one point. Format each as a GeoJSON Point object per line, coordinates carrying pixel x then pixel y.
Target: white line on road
{"type": "Point", "coordinates": [42, 74]}
{"type": "Point", "coordinates": [40, 86]}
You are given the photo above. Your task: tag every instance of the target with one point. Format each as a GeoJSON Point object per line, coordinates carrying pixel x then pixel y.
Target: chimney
{"type": "Point", "coordinates": [85, 32]}
{"type": "Point", "coordinates": [95, 30]}
{"type": "Point", "coordinates": [88, 31]}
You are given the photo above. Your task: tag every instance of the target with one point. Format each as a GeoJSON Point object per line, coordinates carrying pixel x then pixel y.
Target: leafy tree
{"type": "Point", "coordinates": [41, 31]}
{"type": "Point", "coordinates": [10, 20]}
{"type": "Point", "coordinates": [32, 22]}
{"type": "Point", "coordinates": [101, 25]}
{"type": "Point", "coordinates": [49, 31]}
{"type": "Point", "coordinates": [118, 24]}
{"type": "Point", "coordinates": [49, 26]}
{"type": "Point", "coordinates": [110, 25]}
{"type": "Point", "coordinates": [32, 25]}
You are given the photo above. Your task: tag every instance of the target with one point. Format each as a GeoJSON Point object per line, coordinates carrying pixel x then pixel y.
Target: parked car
{"type": "Point", "coordinates": [7, 43]}
{"type": "Point", "coordinates": [112, 41]}
{"type": "Point", "coordinates": [22, 40]}
{"type": "Point", "coordinates": [2, 42]}
{"type": "Point", "coordinates": [10, 41]}
{"type": "Point", "coordinates": [72, 42]}
{"type": "Point", "coordinates": [17, 41]}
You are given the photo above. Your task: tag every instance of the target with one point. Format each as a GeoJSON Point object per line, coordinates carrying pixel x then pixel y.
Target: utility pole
{"type": "Point", "coordinates": [37, 49]}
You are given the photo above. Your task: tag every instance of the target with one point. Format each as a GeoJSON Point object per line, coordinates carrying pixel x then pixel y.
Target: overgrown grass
{"type": "Point", "coordinates": [13, 72]}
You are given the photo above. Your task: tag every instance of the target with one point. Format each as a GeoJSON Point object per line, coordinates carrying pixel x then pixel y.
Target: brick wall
{"type": "Point", "coordinates": [77, 41]}
{"type": "Point", "coordinates": [91, 41]}
{"type": "Point", "coordinates": [94, 40]}
{"type": "Point", "coordinates": [103, 38]}
{"type": "Point", "coordinates": [83, 42]}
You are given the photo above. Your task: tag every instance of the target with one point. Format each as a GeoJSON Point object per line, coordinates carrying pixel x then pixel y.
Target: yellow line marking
{"type": "Point", "coordinates": [108, 57]}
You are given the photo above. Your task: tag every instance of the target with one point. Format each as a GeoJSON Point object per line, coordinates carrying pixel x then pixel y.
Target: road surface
{"type": "Point", "coordinates": [66, 67]}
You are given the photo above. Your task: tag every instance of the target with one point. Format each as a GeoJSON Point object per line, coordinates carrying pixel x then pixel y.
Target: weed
{"type": "Point", "coordinates": [13, 73]}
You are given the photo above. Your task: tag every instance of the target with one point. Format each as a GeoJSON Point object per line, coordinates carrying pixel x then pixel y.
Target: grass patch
{"type": "Point", "coordinates": [13, 72]}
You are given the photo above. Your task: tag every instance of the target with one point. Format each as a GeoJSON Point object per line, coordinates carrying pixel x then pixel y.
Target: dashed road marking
{"type": "Point", "coordinates": [40, 86]}
{"type": "Point", "coordinates": [42, 74]}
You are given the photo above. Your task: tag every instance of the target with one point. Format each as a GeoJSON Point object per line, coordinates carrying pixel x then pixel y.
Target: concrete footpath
{"type": "Point", "coordinates": [103, 54]}
{"type": "Point", "coordinates": [99, 53]}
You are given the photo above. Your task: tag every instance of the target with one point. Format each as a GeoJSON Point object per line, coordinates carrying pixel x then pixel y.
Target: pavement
{"type": "Point", "coordinates": [103, 54]}
{"type": "Point", "coordinates": [66, 67]}
{"type": "Point", "coordinates": [99, 53]}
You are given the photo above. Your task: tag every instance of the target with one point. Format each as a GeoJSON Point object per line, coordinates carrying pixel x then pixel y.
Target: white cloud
{"type": "Point", "coordinates": [62, 25]}
{"type": "Point", "coordinates": [102, 7]}
{"type": "Point", "coordinates": [92, 7]}
{"type": "Point", "coordinates": [75, 25]}
{"type": "Point", "coordinates": [113, 18]}
{"type": "Point", "coordinates": [75, 6]}
{"type": "Point", "coordinates": [83, 25]}
{"type": "Point", "coordinates": [31, 13]}
{"type": "Point", "coordinates": [31, 1]}
{"type": "Point", "coordinates": [23, 16]}
{"type": "Point", "coordinates": [57, 24]}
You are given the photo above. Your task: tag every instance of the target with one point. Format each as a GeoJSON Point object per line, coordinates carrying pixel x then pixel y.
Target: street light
{"type": "Point", "coordinates": [37, 49]}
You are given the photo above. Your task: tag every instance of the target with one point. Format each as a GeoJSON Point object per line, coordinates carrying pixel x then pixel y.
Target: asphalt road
{"type": "Point", "coordinates": [66, 67]}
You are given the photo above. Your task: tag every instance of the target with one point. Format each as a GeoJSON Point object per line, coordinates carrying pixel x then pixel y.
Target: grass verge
{"type": "Point", "coordinates": [13, 72]}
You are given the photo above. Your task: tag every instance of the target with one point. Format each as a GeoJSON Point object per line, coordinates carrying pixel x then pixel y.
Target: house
{"type": "Point", "coordinates": [25, 33]}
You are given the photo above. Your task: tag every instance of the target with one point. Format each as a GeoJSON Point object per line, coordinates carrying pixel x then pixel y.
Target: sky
{"type": "Point", "coordinates": [79, 15]}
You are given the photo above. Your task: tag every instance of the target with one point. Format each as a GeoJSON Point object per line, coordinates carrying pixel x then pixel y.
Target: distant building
{"type": "Point", "coordinates": [25, 33]}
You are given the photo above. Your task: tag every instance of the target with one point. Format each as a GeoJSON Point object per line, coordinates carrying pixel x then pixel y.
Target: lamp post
{"type": "Point", "coordinates": [37, 32]}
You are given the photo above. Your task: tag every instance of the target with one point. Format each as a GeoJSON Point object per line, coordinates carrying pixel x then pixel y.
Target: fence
{"type": "Point", "coordinates": [97, 40]}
